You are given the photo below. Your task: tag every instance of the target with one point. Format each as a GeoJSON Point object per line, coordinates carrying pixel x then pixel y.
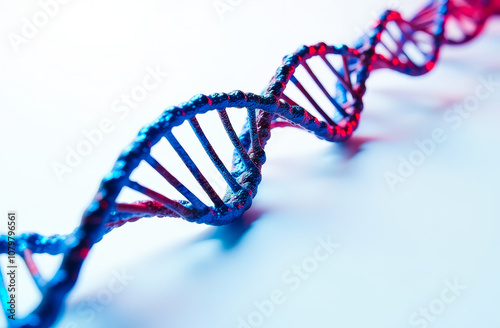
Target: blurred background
{"type": "Point", "coordinates": [333, 239]}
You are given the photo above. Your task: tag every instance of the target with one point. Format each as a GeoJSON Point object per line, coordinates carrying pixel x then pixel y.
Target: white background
{"type": "Point", "coordinates": [396, 248]}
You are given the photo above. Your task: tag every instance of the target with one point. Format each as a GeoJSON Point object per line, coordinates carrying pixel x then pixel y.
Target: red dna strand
{"type": "Point", "coordinates": [409, 46]}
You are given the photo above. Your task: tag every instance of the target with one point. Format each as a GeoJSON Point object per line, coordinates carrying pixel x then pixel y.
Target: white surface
{"type": "Point", "coordinates": [396, 248]}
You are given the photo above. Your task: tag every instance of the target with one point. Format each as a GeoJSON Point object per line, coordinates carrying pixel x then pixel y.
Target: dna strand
{"type": "Point", "coordinates": [407, 46]}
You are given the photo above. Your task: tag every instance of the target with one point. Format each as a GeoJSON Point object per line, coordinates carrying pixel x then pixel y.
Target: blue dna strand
{"type": "Point", "coordinates": [406, 46]}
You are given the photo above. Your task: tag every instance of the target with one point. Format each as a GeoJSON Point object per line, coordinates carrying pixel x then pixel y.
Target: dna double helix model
{"type": "Point", "coordinates": [407, 46]}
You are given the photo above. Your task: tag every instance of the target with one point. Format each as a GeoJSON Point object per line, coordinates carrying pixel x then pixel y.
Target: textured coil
{"type": "Point", "coordinates": [409, 46]}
